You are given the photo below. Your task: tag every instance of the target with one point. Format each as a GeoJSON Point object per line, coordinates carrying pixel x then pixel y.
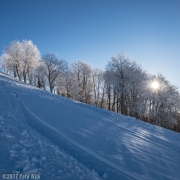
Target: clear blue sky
{"type": "Point", "coordinates": [95, 30]}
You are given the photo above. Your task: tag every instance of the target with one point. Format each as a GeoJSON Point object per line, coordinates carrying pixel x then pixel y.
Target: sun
{"type": "Point", "coordinates": [154, 85]}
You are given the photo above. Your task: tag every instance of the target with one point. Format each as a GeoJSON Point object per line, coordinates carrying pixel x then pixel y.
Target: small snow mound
{"type": "Point", "coordinates": [34, 159]}
{"type": "Point", "coordinates": [43, 158]}
{"type": "Point", "coordinates": [9, 135]}
{"type": "Point", "coordinates": [32, 171]}
{"type": "Point", "coordinates": [23, 151]}
{"type": "Point", "coordinates": [27, 167]}
{"type": "Point", "coordinates": [24, 132]}
{"type": "Point", "coordinates": [104, 176]}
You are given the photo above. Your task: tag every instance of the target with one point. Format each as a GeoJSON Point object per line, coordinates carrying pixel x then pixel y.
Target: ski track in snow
{"type": "Point", "coordinates": [64, 139]}
{"type": "Point", "coordinates": [24, 150]}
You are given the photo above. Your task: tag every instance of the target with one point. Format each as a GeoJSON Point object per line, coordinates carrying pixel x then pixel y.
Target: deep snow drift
{"type": "Point", "coordinates": [62, 139]}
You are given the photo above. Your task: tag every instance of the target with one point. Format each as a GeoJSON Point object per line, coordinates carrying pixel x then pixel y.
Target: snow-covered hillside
{"type": "Point", "coordinates": [63, 139]}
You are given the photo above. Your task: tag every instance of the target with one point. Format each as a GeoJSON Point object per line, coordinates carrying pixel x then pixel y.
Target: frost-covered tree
{"type": "Point", "coordinates": [121, 72]}
{"type": "Point", "coordinates": [12, 58]}
{"type": "Point", "coordinates": [66, 85]}
{"type": "Point", "coordinates": [7, 65]}
{"type": "Point", "coordinates": [82, 72]}
{"type": "Point", "coordinates": [164, 102]}
{"type": "Point", "coordinates": [21, 58]}
{"type": "Point", "coordinates": [30, 59]}
{"type": "Point", "coordinates": [97, 86]}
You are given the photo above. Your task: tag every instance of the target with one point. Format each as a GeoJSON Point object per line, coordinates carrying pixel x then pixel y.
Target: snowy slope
{"type": "Point", "coordinates": [64, 139]}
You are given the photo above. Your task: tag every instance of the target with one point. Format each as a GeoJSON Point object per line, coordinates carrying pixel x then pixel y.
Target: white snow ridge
{"type": "Point", "coordinates": [59, 138]}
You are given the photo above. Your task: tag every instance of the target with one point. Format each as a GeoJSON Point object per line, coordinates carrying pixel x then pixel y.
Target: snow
{"type": "Point", "coordinates": [59, 138]}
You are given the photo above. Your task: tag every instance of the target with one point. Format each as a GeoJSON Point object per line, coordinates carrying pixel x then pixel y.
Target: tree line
{"type": "Point", "coordinates": [123, 87]}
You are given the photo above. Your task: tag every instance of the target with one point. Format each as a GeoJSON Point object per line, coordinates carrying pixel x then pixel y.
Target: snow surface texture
{"type": "Point", "coordinates": [64, 139]}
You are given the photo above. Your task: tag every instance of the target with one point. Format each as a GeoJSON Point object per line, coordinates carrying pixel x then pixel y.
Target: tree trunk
{"type": "Point", "coordinates": [24, 78]}
{"type": "Point", "coordinates": [18, 73]}
{"type": "Point", "coordinates": [123, 104]}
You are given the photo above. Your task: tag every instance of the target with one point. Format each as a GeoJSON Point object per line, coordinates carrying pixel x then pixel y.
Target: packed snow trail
{"type": "Point", "coordinates": [103, 144]}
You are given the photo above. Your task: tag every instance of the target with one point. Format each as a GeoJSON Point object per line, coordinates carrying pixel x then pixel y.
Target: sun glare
{"type": "Point", "coordinates": [155, 85]}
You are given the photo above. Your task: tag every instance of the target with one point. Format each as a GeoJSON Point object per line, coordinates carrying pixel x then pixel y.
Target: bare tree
{"type": "Point", "coordinates": [53, 68]}
{"type": "Point", "coordinates": [40, 78]}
